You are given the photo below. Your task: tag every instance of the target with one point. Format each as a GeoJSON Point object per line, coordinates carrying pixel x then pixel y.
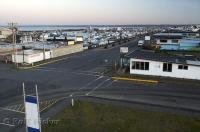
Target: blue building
{"type": "Point", "coordinates": [176, 41]}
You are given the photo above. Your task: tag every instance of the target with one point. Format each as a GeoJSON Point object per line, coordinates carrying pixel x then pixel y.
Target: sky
{"type": "Point", "coordinates": [85, 12]}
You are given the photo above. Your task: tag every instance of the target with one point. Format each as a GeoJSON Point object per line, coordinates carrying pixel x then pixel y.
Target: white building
{"type": "Point", "coordinates": [31, 56]}
{"type": "Point", "coordinates": [26, 39]}
{"type": "Point", "coordinates": [155, 64]}
{"type": "Point", "coordinates": [79, 39]}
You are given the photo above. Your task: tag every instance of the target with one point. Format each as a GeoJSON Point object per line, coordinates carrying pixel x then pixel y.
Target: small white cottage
{"type": "Point", "coordinates": [157, 64]}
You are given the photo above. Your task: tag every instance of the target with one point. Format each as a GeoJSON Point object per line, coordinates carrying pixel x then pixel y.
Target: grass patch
{"type": "Point", "coordinates": [91, 117]}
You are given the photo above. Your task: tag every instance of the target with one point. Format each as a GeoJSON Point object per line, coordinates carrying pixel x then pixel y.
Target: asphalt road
{"type": "Point", "coordinates": [79, 75]}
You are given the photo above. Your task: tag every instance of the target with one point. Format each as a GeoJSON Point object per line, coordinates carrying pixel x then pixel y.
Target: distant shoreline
{"type": "Point", "coordinates": [82, 27]}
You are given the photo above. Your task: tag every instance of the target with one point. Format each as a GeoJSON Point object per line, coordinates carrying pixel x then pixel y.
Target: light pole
{"type": "Point", "coordinates": [44, 51]}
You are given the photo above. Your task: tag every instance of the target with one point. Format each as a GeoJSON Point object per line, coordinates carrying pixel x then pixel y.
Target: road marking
{"type": "Point", "coordinates": [6, 109]}
{"type": "Point", "coordinates": [22, 108]}
{"type": "Point", "coordinates": [49, 105]}
{"type": "Point", "coordinates": [91, 82]}
{"type": "Point", "coordinates": [19, 106]}
{"type": "Point", "coordinates": [7, 124]}
{"type": "Point", "coordinates": [137, 80]}
{"type": "Point", "coordinates": [86, 74]}
{"type": "Point", "coordinates": [97, 87]}
{"type": "Point", "coordinates": [131, 52]}
{"type": "Point", "coordinates": [78, 73]}
{"type": "Point", "coordinates": [88, 84]}
{"type": "Point", "coordinates": [15, 107]}
{"type": "Point", "coordinates": [110, 83]}
{"type": "Point", "coordinates": [88, 71]}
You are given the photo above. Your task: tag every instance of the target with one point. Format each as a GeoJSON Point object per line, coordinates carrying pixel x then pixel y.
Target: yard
{"type": "Point", "coordinates": [91, 117]}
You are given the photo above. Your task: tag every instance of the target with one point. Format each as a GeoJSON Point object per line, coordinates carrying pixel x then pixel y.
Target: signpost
{"type": "Point", "coordinates": [123, 50]}
{"type": "Point", "coordinates": [147, 38]}
{"type": "Point", "coordinates": [32, 113]}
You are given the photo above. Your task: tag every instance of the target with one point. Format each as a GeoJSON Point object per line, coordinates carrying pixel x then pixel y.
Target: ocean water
{"type": "Point", "coordinates": [64, 27]}
{"type": "Point", "coordinates": [49, 27]}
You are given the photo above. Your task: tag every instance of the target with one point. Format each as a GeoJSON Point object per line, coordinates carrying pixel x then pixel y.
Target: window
{"type": "Point", "coordinates": [182, 67]}
{"type": "Point", "coordinates": [137, 65]}
{"type": "Point", "coordinates": [140, 65]}
{"type": "Point", "coordinates": [175, 41]}
{"type": "Point", "coordinates": [146, 65]}
{"type": "Point", "coordinates": [167, 67]}
{"type": "Point", "coordinates": [163, 41]}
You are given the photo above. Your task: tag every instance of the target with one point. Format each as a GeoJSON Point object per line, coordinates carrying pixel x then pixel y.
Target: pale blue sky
{"type": "Point", "coordinates": [100, 11]}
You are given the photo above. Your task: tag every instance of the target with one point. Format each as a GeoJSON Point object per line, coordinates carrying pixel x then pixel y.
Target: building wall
{"type": "Point", "coordinates": [156, 69]}
{"type": "Point", "coordinates": [36, 57]}
{"type": "Point", "coordinates": [169, 47]}
{"type": "Point", "coordinates": [169, 41]}
{"type": "Point", "coordinates": [31, 58]}
{"type": "Point", "coordinates": [184, 44]}
{"type": "Point", "coordinates": [187, 44]}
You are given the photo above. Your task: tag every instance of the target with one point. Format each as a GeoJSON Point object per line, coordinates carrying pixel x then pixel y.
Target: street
{"type": "Point", "coordinates": [80, 75]}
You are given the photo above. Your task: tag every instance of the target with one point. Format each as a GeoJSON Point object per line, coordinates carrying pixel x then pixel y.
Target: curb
{"type": "Point", "coordinates": [136, 80]}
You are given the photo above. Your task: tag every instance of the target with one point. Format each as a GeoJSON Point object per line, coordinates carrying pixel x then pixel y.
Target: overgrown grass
{"type": "Point", "coordinates": [90, 117]}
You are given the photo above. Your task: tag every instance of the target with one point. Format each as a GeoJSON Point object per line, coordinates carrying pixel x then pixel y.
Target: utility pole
{"type": "Point", "coordinates": [13, 27]}
{"type": "Point", "coordinates": [44, 51]}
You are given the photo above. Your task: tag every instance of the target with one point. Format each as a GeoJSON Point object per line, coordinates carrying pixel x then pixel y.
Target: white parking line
{"type": "Point", "coordinates": [88, 84]}
{"type": "Point", "coordinates": [91, 83]}
{"type": "Point", "coordinates": [86, 74]}
{"type": "Point", "coordinates": [49, 105]}
{"type": "Point", "coordinates": [61, 71]}
{"type": "Point", "coordinates": [6, 109]}
{"type": "Point", "coordinates": [97, 87]}
{"type": "Point", "coordinates": [19, 106]}
{"type": "Point", "coordinates": [110, 83]}
{"type": "Point", "coordinates": [22, 108]}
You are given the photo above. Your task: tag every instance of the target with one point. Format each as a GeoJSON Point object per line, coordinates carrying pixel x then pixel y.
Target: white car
{"type": "Point", "coordinates": [141, 43]}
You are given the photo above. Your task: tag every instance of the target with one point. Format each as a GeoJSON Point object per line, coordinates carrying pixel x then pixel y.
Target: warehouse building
{"type": "Point", "coordinates": [35, 55]}
{"type": "Point", "coordinates": [31, 56]}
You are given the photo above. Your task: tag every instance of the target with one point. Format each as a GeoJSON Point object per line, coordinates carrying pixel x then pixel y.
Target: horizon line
{"type": "Point", "coordinates": [99, 24]}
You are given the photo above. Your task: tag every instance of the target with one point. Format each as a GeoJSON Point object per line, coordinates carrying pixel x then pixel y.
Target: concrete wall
{"type": "Point", "coordinates": [31, 58]}
{"type": "Point", "coordinates": [61, 51]}
{"type": "Point", "coordinates": [39, 56]}
{"type": "Point", "coordinates": [156, 69]}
